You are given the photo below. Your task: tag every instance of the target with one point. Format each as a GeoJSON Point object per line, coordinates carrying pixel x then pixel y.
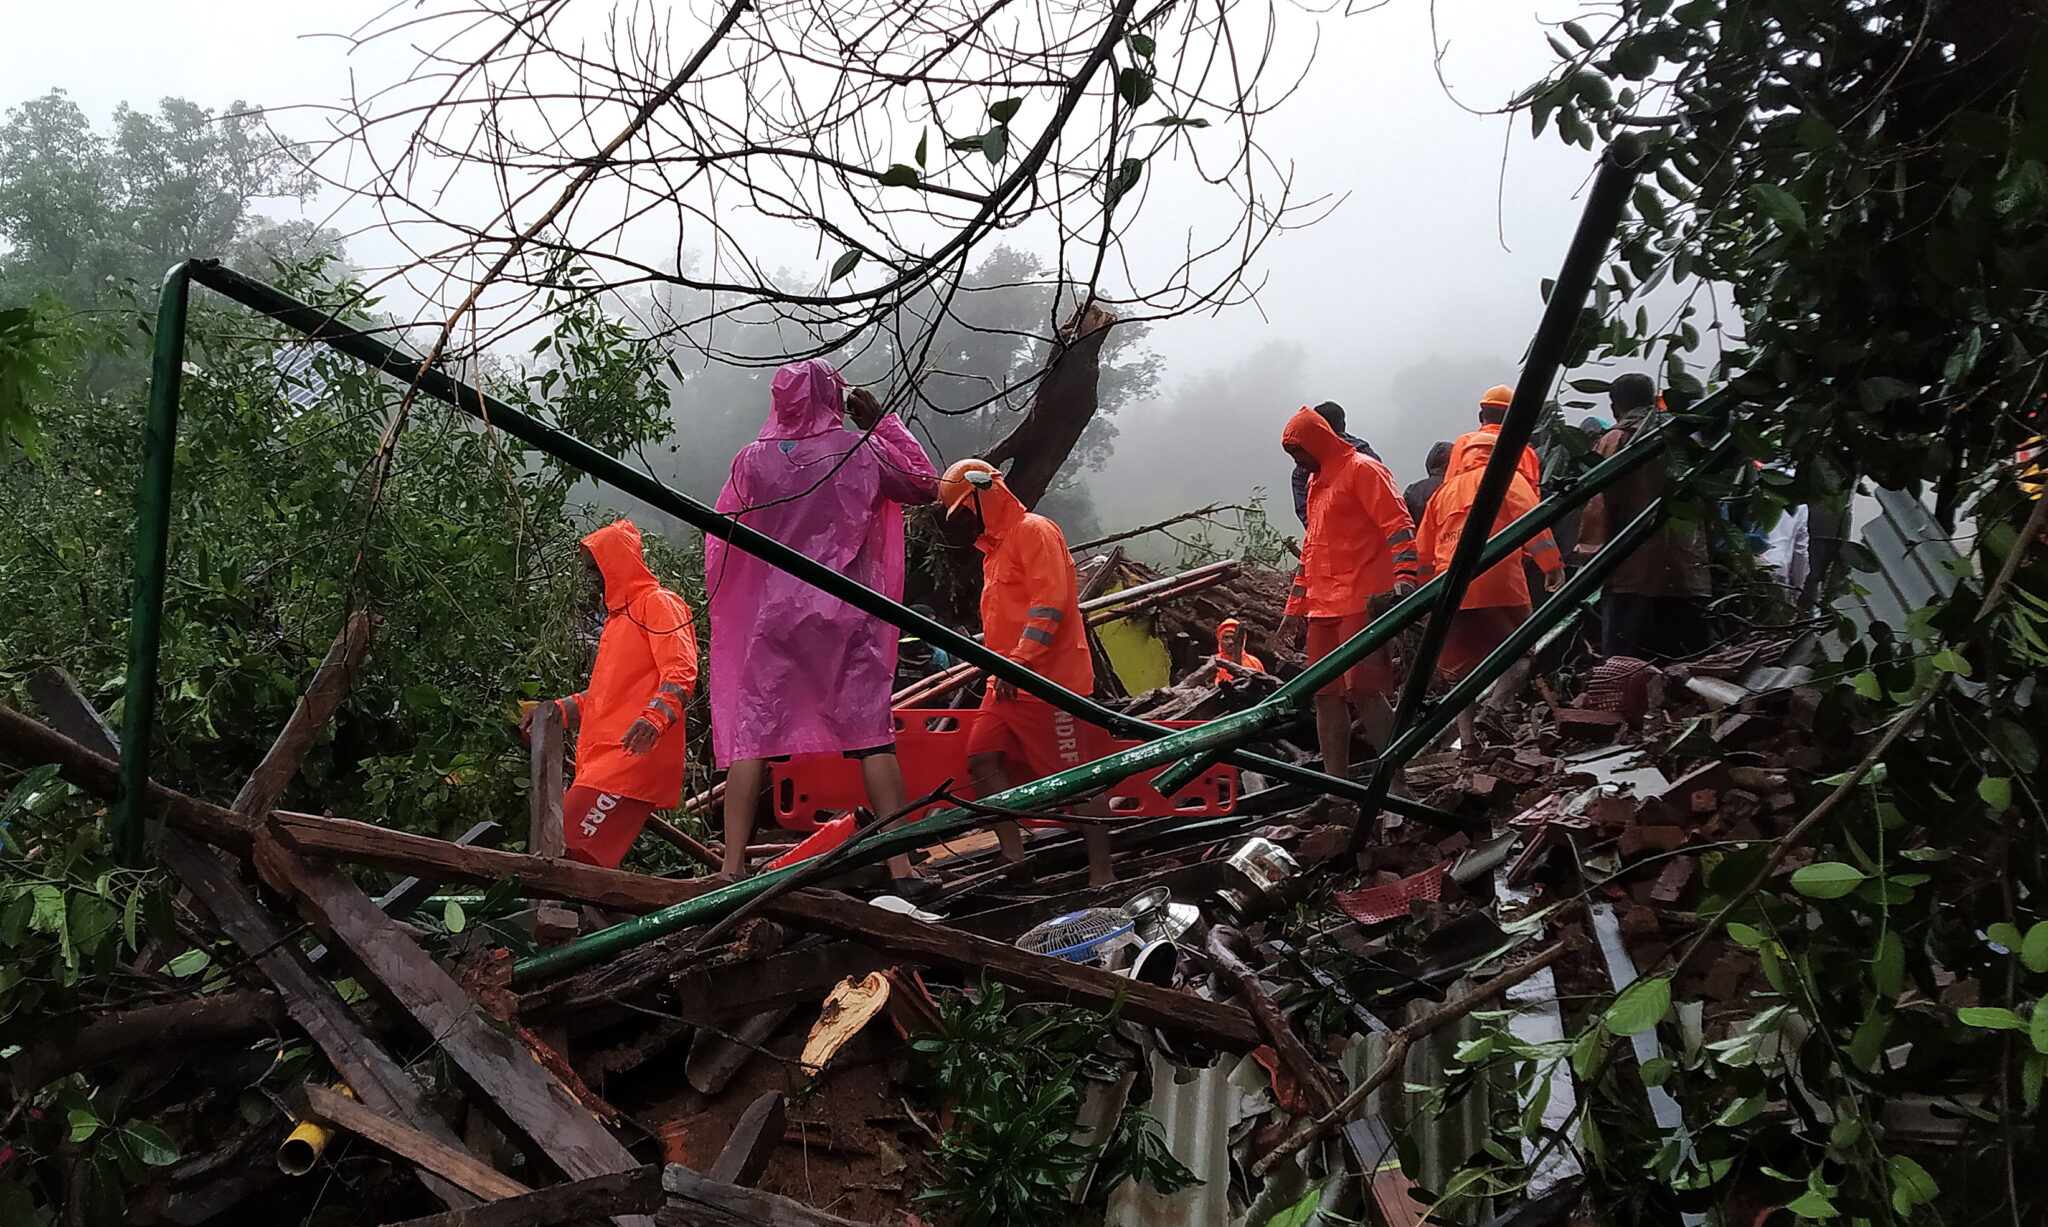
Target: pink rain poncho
{"type": "Point", "coordinates": [793, 670]}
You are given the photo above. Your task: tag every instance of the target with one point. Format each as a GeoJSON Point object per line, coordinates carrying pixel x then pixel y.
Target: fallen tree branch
{"type": "Point", "coordinates": [1398, 1045]}
{"type": "Point", "coordinates": [242, 1014]}
{"type": "Point", "coordinates": [322, 697]}
{"type": "Point", "coordinates": [1169, 522]}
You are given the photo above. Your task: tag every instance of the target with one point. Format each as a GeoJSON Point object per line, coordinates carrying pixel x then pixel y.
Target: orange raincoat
{"type": "Point", "coordinates": [1030, 597]}
{"type": "Point", "coordinates": [646, 668]}
{"type": "Point", "coordinates": [1503, 585]}
{"type": "Point", "coordinates": [1360, 538]}
{"type": "Point", "coordinates": [1241, 657]}
{"type": "Point", "coordinates": [1526, 464]}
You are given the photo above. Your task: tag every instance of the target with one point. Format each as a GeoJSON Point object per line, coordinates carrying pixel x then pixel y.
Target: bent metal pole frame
{"type": "Point", "coordinates": [154, 506]}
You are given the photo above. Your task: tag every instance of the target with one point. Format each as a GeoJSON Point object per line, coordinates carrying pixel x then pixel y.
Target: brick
{"type": "Point", "coordinates": [1670, 885]}
{"type": "Point", "coordinates": [1646, 840]}
{"type": "Point", "coordinates": [1585, 725]}
{"type": "Point", "coordinates": [1704, 801]}
{"type": "Point", "coordinates": [1612, 812]}
{"type": "Point", "coordinates": [1724, 979]}
{"type": "Point", "coordinates": [1740, 805]}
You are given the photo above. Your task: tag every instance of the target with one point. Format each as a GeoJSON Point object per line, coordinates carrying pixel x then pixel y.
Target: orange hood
{"type": "Point", "coordinates": [617, 549]}
{"type": "Point", "coordinates": [1000, 510]}
{"type": "Point", "coordinates": [1308, 431]}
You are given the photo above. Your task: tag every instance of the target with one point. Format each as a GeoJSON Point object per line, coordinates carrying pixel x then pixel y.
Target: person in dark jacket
{"type": "Point", "coordinates": [1333, 413]}
{"type": "Point", "coordinates": [1654, 605]}
{"type": "Point", "coordinates": [1417, 494]}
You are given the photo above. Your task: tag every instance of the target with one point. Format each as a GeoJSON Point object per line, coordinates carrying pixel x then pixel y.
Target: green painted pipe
{"type": "Point", "coordinates": [1605, 204]}
{"type": "Point", "coordinates": [152, 560]}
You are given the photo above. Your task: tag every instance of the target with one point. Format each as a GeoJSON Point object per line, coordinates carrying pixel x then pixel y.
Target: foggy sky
{"type": "Point", "coordinates": [1392, 305]}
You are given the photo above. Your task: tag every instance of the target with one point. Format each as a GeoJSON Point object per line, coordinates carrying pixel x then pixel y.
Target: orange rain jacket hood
{"type": "Point", "coordinates": [1526, 464]}
{"type": "Point", "coordinates": [1503, 585]}
{"type": "Point", "coordinates": [1240, 656]}
{"type": "Point", "coordinates": [646, 668]}
{"type": "Point", "coordinates": [1030, 597]}
{"type": "Point", "coordinates": [1360, 538]}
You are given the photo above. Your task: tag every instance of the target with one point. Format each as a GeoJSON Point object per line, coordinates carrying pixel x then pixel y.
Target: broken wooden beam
{"type": "Point", "coordinates": [1038, 976]}
{"type": "Point", "coordinates": [71, 712]}
{"type": "Point", "coordinates": [632, 1192]}
{"type": "Point", "coordinates": [314, 1102]}
{"type": "Point", "coordinates": [544, 833]}
{"type": "Point", "coordinates": [698, 1201]}
{"type": "Point", "coordinates": [96, 773]}
{"type": "Point", "coordinates": [237, 1015]}
{"type": "Point", "coordinates": [538, 876]}
{"type": "Point", "coordinates": [752, 1141]}
{"type": "Point", "coordinates": [310, 1001]}
{"type": "Point", "coordinates": [535, 1103]}
{"type": "Point", "coordinates": [322, 697]}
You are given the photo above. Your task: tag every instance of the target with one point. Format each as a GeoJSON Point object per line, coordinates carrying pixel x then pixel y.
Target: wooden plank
{"type": "Point", "coordinates": [634, 1192]}
{"type": "Point", "coordinates": [538, 876]}
{"type": "Point", "coordinates": [321, 1104]}
{"type": "Point", "coordinates": [405, 898]}
{"type": "Point", "coordinates": [544, 834]}
{"type": "Point", "coordinates": [309, 1000]}
{"type": "Point", "coordinates": [698, 1201]}
{"type": "Point", "coordinates": [532, 1100]}
{"type": "Point", "coordinates": [752, 1141]}
{"type": "Point", "coordinates": [58, 693]}
{"type": "Point", "coordinates": [1038, 976]}
{"type": "Point", "coordinates": [323, 695]}
{"type": "Point", "coordinates": [34, 741]}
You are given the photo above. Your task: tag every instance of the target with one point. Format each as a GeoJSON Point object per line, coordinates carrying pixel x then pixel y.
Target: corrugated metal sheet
{"type": "Point", "coordinates": [1914, 556]}
{"type": "Point", "coordinates": [1198, 1110]}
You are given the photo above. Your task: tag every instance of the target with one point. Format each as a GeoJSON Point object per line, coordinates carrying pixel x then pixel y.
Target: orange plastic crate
{"type": "Point", "coordinates": [931, 743]}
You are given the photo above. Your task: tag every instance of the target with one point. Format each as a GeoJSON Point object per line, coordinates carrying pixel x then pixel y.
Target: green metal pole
{"type": "Point", "coordinates": [152, 559]}
{"type": "Point", "coordinates": [1605, 204]}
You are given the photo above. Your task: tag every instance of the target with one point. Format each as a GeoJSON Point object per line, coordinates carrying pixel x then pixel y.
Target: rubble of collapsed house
{"type": "Point", "coordinates": [1271, 991]}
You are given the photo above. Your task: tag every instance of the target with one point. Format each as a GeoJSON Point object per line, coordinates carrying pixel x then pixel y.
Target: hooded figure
{"type": "Point", "coordinates": [1503, 585]}
{"type": "Point", "coordinates": [796, 671]}
{"type": "Point", "coordinates": [630, 744]}
{"type": "Point", "coordinates": [1359, 548]}
{"type": "Point", "coordinates": [1031, 613]}
{"type": "Point", "coordinates": [1360, 539]}
{"type": "Point", "coordinates": [1497, 600]}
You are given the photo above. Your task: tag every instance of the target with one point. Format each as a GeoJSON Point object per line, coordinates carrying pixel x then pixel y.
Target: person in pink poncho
{"type": "Point", "coordinates": [793, 670]}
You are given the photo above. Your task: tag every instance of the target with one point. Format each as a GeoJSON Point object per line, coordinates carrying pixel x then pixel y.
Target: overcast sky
{"type": "Point", "coordinates": [1435, 254]}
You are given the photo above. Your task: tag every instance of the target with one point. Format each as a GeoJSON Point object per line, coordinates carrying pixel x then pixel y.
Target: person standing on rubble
{"type": "Point", "coordinates": [1030, 613]}
{"type": "Point", "coordinates": [1495, 602]}
{"type": "Point", "coordinates": [628, 722]}
{"type": "Point", "coordinates": [1654, 605]}
{"type": "Point", "coordinates": [1418, 492]}
{"type": "Point", "coordinates": [1356, 557]}
{"type": "Point", "coordinates": [1232, 661]}
{"type": "Point", "coordinates": [793, 669]}
{"type": "Point", "coordinates": [1333, 413]}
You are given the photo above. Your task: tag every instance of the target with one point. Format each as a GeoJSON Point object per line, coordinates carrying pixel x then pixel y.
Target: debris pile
{"type": "Point", "coordinates": [1218, 1034]}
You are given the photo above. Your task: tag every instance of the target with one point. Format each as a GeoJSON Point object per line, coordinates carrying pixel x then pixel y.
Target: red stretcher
{"type": "Point", "coordinates": [931, 744]}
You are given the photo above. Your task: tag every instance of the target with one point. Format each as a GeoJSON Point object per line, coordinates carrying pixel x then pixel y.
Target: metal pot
{"type": "Point", "coordinates": [1264, 868]}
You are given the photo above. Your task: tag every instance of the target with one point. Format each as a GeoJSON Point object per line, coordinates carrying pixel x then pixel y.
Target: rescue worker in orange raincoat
{"type": "Point", "coordinates": [1359, 549]}
{"type": "Point", "coordinates": [1030, 613]}
{"type": "Point", "coordinates": [1497, 601]}
{"type": "Point", "coordinates": [1493, 410]}
{"type": "Point", "coordinates": [628, 722]}
{"type": "Point", "coordinates": [1230, 651]}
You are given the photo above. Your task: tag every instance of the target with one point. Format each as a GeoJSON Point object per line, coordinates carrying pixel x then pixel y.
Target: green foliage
{"type": "Point", "coordinates": [1015, 1077]}
{"type": "Point", "coordinates": [1247, 535]}
{"type": "Point", "coordinates": [1872, 210]}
